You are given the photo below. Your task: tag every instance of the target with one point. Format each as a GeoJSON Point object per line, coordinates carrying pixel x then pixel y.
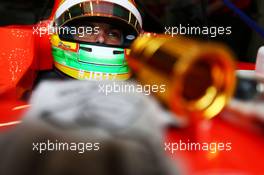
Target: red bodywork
{"type": "Point", "coordinates": [23, 53]}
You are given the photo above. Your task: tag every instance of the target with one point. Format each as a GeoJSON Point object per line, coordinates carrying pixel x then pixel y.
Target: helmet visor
{"type": "Point", "coordinates": [98, 32]}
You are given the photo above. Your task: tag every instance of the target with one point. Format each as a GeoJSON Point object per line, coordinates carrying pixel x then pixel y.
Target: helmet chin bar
{"type": "Point", "coordinates": [90, 62]}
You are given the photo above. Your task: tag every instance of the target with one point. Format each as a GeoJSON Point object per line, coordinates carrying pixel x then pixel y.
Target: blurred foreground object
{"type": "Point", "coordinates": [260, 62]}
{"type": "Point", "coordinates": [199, 77]}
{"type": "Point", "coordinates": [77, 112]}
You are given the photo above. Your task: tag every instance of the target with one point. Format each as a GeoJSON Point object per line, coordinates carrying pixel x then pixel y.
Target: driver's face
{"type": "Point", "coordinates": [106, 35]}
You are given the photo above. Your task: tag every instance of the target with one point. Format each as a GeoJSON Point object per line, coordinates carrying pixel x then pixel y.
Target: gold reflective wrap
{"type": "Point", "coordinates": [199, 77]}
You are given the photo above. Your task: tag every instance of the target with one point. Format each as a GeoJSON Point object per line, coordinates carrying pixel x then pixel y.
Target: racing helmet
{"type": "Point", "coordinates": [77, 45]}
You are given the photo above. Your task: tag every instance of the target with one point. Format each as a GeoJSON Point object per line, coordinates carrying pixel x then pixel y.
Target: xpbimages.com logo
{"type": "Point", "coordinates": [49, 29]}
{"type": "Point", "coordinates": [211, 147]}
{"type": "Point", "coordinates": [130, 88]}
{"type": "Point", "coordinates": [79, 147]}
{"type": "Point", "coordinates": [212, 31]}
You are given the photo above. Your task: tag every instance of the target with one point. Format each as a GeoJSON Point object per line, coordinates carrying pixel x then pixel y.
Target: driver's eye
{"type": "Point", "coordinates": [114, 34]}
